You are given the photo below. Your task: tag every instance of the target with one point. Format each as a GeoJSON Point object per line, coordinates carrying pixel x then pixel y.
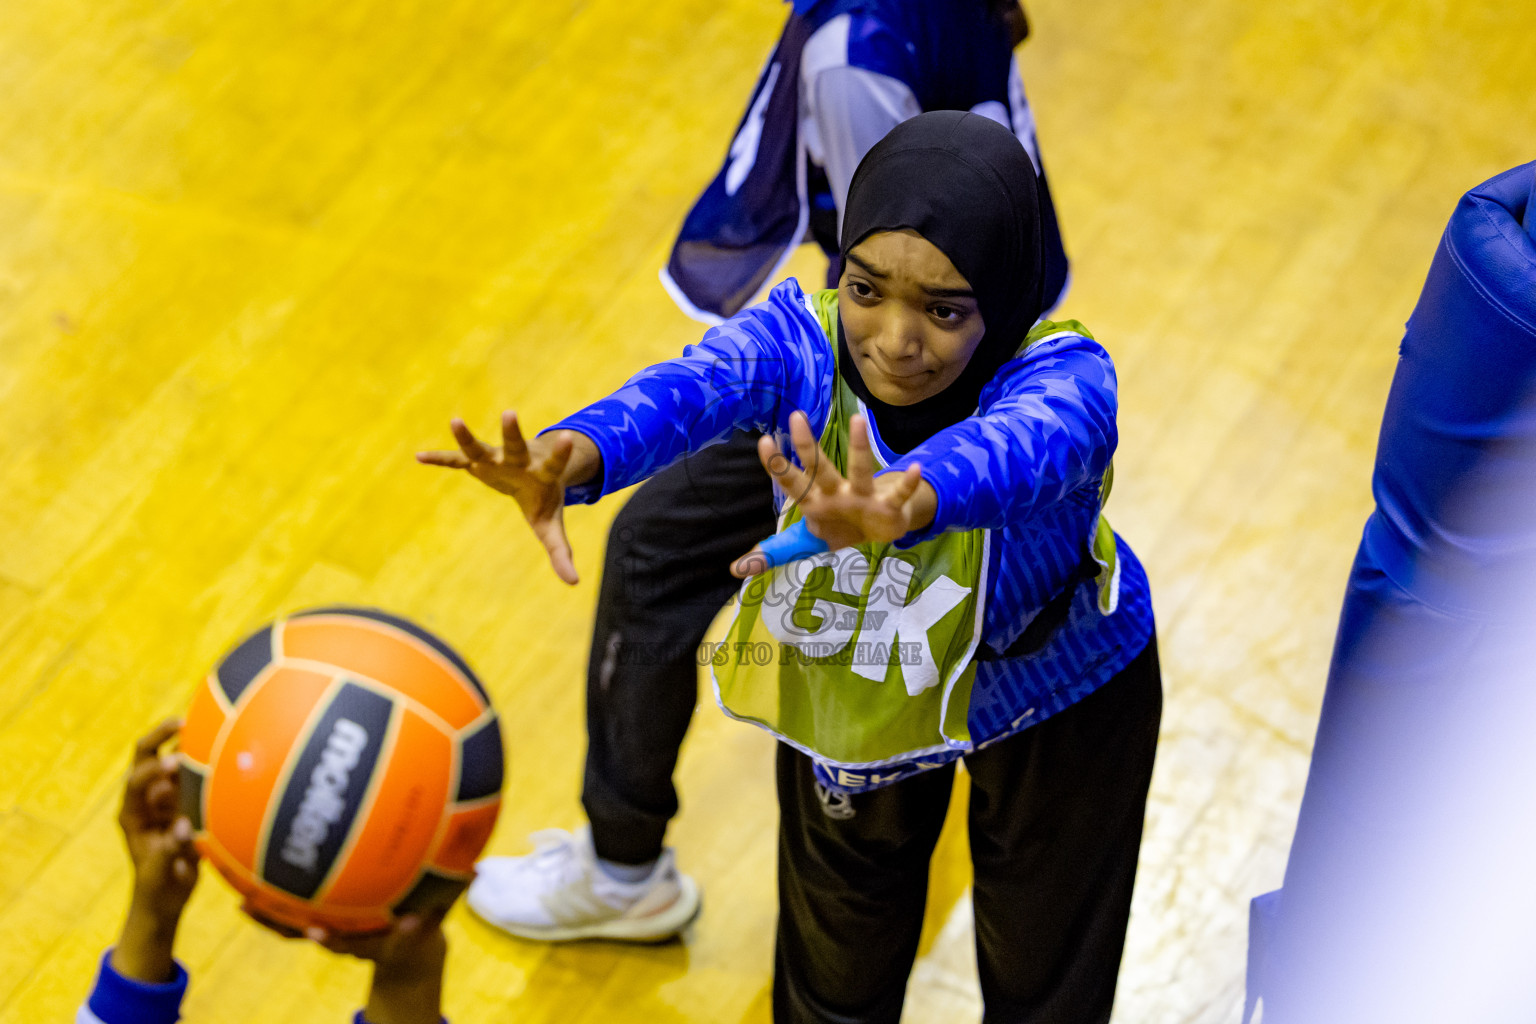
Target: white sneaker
{"type": "Point", "coordinates": [558, 893]}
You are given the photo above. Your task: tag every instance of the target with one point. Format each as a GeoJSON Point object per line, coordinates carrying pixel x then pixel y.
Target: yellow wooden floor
{"type": "Point", "coordinates": [253, 253]}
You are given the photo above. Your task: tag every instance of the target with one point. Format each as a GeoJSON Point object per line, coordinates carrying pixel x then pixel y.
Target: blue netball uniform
{"type": "Point", "coordinates": [1028, 467]}
{"type": "Point", "coordinates": [843, 74]}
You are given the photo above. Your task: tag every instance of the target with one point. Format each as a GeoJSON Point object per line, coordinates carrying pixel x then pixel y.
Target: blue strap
{"type": "Point", "coordinates": [793, 544]}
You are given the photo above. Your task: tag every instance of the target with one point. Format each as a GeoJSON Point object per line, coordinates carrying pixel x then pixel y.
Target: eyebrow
{"type": "Point", "coordinates": [942, 293]}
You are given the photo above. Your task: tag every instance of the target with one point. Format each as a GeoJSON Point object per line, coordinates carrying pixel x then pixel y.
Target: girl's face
{"type": "Point", "coordinates": [910, 319]}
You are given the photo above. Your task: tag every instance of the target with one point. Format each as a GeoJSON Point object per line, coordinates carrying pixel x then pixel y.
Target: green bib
{"type": "Point", "coordinates": [863, 657]}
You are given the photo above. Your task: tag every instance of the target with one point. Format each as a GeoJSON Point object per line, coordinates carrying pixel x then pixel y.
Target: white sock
{"type": "Point", "coordinates": [629, 874]}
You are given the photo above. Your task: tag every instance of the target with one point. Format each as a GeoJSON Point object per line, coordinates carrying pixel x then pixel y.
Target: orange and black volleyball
{"type": "Point", "coordinates": [340, 766]}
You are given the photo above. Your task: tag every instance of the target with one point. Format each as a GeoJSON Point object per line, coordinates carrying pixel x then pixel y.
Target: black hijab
{"type": "Point", "coordinates": [965, 183]}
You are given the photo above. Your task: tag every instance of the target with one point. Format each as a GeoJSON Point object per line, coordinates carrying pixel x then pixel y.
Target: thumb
{"type": "Point", "coordinates": [551, 533]}
{"type": "Point", "coordinates": [750, 564]}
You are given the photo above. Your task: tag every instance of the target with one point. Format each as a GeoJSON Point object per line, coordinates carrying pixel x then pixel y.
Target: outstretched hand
{"type": "Point", "coordinates": [860, 508]}
{"type": "Point", "coordinates": [533, 473]}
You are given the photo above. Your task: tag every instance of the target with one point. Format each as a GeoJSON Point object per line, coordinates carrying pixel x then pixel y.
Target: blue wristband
{"type": "Point", "coordinates": [120, 1000]}
{"type": "Point", "coordinates": [793, 544]}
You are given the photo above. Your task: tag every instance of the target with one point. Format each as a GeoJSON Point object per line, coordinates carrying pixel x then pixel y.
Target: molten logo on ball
{"type": "Point", "coordinates": [324, 799]}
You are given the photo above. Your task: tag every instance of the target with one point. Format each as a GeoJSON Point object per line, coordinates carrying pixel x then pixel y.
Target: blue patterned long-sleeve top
{"type": "Point", "coordinates": [1028, 465]}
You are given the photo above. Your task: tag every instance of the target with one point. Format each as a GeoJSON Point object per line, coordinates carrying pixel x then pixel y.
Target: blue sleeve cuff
{"type": "Point", "coordinates": [589, 492]}
{"type": "Point", "coordinates": [941, 513]}
{"type": "Point", "coordinates": [120, 1000]}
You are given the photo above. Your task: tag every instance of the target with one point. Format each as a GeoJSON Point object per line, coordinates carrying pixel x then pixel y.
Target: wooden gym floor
{"type": "Point", "coordinates": [254, 253]}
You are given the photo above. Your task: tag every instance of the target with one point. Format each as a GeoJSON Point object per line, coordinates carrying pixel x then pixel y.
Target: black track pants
{"type": "Point", "coordinates": [665, 576]}
{"type": "Point", "coordinates": [1055, 826]}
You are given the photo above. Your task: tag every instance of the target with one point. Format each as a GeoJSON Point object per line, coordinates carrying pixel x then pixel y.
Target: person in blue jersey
{"type": "Point", "coordinates": [943, 584]}
{"type": "Point", "coordinates": [1408, 894]}
{"type": "Point", "coordinates": [140, 981]}
{"type": "Point", "coordinates": [843, 73]}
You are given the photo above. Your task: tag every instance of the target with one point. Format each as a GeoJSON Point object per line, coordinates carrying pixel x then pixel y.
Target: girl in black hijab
{"type": "Point", "coordinates": [943, 585]}
{"type": "Point", "coordinates": [962, 162]}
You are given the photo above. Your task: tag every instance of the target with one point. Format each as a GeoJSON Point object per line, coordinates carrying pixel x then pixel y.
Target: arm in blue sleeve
{"type": "Point", "coordinates": [119, 1000]}
{"type": "Point", "coordinates": [750, 372]}
{"type": "Point", "coordinates": [1046, 428]}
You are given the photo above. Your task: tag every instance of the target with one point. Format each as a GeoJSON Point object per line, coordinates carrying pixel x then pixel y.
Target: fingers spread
{"type": "Point", "coordinates": [452, 460]}
{"type": "Point", "coordinates": [907, 484]}
{"type": "Point", "coordinates": [785, 473]}
{"type": "Point", "coordinates": [861, 460]}
{"type": "Point", "coordinates": [822, 474]}
{"type": "Point", "coordinates": [468, 443]}
{"type": "Point", "coordinates": [815, 473]}
{"type": "Point", "coordinates": [559, 457]}
{"type": "Point", "coordinates": [807, 449]}
{"type": "Point", "coordinates": [551, 533]}
{"type": "Point", "coordinates": [512, 445]}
